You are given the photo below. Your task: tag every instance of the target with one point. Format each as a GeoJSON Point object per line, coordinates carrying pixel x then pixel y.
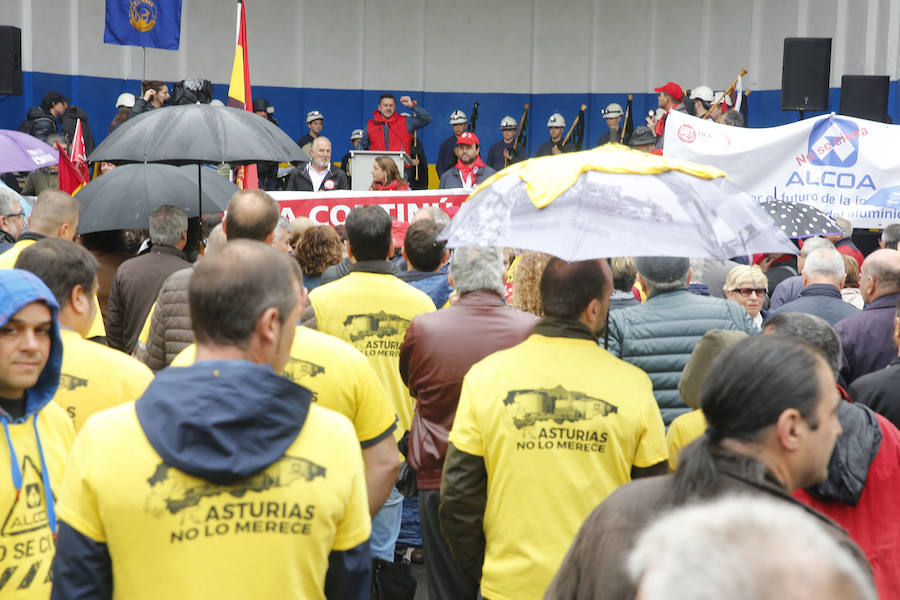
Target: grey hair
{"type": "Point", "coordinates": [474, 269]}
{"type": "Point", "coordinates": [167, 221]}
{"type": "Point", "coordinates": [845, 225]}
{"type": "Point", "coordinates": [814, 331]}
{"type": "Point", "coordinates": [282, 228]}
{"type": "Point", "coordinates": [215, 241]}
{"type": "Point", "coordinates": [742, 548]}
{"type": "Point", "coordinates": [665, 286]}
{"type": "Point", "coordinates": [891, 235]}
{"type": "Point", "coordinates": [812, 244]}
{"type": "Point", "coordinates": [733, 118]}
{"type": "Point", "coordinates": [8, 198]}
{"type": "Point", "coordinates": [435, 214]}
{"type": "Point", "coordinates": [825, 262]}
{"type": "Point", "coordinates": [56, 137]}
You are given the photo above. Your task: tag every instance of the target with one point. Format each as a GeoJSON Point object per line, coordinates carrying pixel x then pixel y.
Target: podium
{"type": "Point", "coordinates": [361, 162]}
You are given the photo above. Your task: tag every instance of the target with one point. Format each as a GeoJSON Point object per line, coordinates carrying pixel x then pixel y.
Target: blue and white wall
{"type": "Point", "coordinates": [337, 56]}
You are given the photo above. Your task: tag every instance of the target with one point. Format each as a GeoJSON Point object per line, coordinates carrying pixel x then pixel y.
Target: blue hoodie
{"type": "Point", "coordinates": [18, 289]}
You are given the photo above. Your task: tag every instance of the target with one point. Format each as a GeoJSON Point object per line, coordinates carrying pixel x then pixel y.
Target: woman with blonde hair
{"type": "Point", "coordinates": [747, 286]}
{"type": "Point", "coordinates": [529, 268]}
{"type": "Point", "coordinates": [386, 175]}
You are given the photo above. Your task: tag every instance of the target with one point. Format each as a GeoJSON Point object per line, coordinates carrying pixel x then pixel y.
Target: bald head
{"type": "Point", "coordinates": [880, 274]}
{"type": "Point", "coordinates": [55, 214]}
{"type": "Point", "coordinates": [251, 215]}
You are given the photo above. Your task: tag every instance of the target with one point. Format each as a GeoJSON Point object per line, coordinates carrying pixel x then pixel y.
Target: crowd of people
{"type": "Point", "coordinates": [314, 407]}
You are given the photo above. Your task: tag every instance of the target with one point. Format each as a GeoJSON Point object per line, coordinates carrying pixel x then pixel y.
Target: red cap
{"type": "Point", "coordinates": [468, 138]}
{"type": "Point", "coordinates": [672, 89]}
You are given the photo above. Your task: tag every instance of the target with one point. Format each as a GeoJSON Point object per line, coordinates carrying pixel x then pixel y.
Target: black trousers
{"type": "Point", "coordinates": [445, 581]}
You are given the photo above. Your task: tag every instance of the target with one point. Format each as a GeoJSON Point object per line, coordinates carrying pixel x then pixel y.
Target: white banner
{"type": "Point", "coordinates": [844, 166]}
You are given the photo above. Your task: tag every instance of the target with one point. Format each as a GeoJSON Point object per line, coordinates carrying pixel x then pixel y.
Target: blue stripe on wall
{"type": "Point", "coordinates": [346, 110]}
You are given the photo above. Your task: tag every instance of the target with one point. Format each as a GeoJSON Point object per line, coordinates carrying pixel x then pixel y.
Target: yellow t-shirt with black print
{"type": "Point", "coordinates": [95, 377]}
{"type": "Point", "coordinates": [560, 422]}
{"type": "Point", "coordinates": [27, 545]}
{"type": "Point", "coordinates": [172, 535]}
{"type": "Point", "coordinates": [339, 377]}
{"type": "Point", "coordinates": [372, 311]}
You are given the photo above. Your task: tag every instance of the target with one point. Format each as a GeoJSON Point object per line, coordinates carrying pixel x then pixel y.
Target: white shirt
{"type": "Point", "coordinates": [315, 177]}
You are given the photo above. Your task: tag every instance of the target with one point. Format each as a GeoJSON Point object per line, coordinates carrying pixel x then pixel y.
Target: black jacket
{"type": "Point", "coordinates": [299, 180]}
{"type": "Point", "coordinates": [38, 123]}
{"type": "Point", "coordinates": [819, 299]}
{"type": "Point", "coordinates": [546, 149]}
{"type": "Point", "coordinates": [880, 391]}
{"type": "Point", "coordinates": [446, 157]}
{"type": "Point", "coordinates": [141, 106]}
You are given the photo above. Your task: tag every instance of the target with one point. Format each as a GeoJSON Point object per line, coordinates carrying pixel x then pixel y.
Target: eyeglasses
{"type": "Point", "coordinates": [747, 292]}
{"type": "Point", "coordinates": [14, 215]}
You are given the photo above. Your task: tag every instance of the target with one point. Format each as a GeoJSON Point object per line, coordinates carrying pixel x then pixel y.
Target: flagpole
{"type": "Point", "coordinates": [144, 73]}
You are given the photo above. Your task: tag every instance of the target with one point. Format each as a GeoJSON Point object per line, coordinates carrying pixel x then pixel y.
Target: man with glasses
{"type": "Point", "coordinates": [12, 219]}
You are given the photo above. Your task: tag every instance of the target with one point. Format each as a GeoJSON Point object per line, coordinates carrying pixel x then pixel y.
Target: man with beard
{"type": "Point", "coordinates": [534, 424]}
{"type": "Point", "coordinates": [319, 175]}
{"type": "Point", "coordinates": [469, 170]}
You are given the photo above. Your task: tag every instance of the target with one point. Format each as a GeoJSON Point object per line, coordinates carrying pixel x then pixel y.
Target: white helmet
{"type": "Point", "coordinates": [356, 134]}
{"type": "Point", "coordinates": [125, 99]}
{"type": "Point", "coordinates": [612, 111]}
{"type": "Point", "coordinates": [508, 122]}
{"type": "Point", "coordinates": [719, 97]}
{"type": "Point", "coordinates": [702, 92]}
{"type": "Point", "coordinates": [458, 117]}
{"type": "Point", "coordinates": [556, 120]}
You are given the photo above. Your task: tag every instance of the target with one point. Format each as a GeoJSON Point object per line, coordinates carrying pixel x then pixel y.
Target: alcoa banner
{"type": "Point", "coordinates": [845, 166]}
{"type": "Point", "coordinates": [332, 208]}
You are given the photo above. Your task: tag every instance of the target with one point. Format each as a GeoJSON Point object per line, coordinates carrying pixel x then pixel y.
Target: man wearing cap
{"type": "Point", "coordinates": [470, 170]}
{"type": "Point", "coordinates": [556, 124]}
{"type": "Point", "coordinates": [643, 139]}
{"type": "Point", "coordinates": [502, 153]}
{"type": "Point", "coordinates": [670, 98]}
{"type": "Point", "coordinates": [701, 100]}
{"type": "Point", "coordinates": [659, 335]}
{"type": "Point", "coordinates": [613, 116]}
{"type": "Point", "coordinates": [389, 130]}
{"type": "Point", "coordinates": [315, 121]}
{"type": "Point", "coordinates": [355, 140]}
{"type": "Point", "coordinates": [447, 154]}
{"type": "Point", "coordinates": [41, 120]}
{"type": "Point", "coordinates": [319, 175]}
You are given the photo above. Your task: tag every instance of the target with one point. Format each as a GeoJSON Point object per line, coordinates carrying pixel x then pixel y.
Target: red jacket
{"type": "Point", "coordinates": [399, 137]}
{"type": "Point", "coordinates": [874, 523]}
{"type": "Point", "coordinates": [436, 354]}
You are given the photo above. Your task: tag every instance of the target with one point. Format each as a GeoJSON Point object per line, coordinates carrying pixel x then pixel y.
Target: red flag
{"type": "Point", "coordinates": [239, 95]}
{"type": "Point", "coordinates": [70, 180]}
{"type": "Point", "coordinates": [77, 153]}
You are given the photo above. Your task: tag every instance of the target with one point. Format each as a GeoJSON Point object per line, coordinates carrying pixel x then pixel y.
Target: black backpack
{"type": "Point", "coordinates": [190, 91]}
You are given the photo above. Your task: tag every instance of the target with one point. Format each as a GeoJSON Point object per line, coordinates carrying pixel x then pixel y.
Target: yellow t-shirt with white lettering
{"type": "Point", "coordinates": [372, 311]}
{"type": "Point", "coordinates": [95, 377]}
{"type": "Point", "coordinates": [26, 541]}
{"type": "Point", "coordinates": [172, 535]}
{"type": "Point", "coordinates": [682, 431]}
{"type": "Point", "coordinates": [560, 422]}
{"type": "Point", "coordinates": [339, 377]}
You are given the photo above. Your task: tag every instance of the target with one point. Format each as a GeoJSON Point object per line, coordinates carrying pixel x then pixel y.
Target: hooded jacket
{"type": "Point", "coordinates": [217, 448]}
{"type": "Point", "coordinates": [35, 449]}
{"type": "Point", "coordinates": [39, 123]}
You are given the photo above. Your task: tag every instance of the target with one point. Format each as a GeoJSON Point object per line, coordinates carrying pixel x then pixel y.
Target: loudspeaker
{"type": "Point", "coordinates": [10, 60]}
{"type": "Point", "coordinates": [865, 96]}
{"type": "Point", "coordinates": [804, 73]}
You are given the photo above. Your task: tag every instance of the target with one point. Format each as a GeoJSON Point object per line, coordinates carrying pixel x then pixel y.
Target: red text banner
{"type": "Point", "coordinates": [332, 208]}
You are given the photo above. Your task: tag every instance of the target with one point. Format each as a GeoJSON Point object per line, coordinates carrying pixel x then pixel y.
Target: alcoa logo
{"type": "Point", "coordinates": [834, 142]}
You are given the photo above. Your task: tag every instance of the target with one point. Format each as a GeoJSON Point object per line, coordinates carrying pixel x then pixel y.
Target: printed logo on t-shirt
{"type": "Point", "coordinates": [360, 329]}
{"type": "Point", "coordinates": [70, 382]}
{"type": "Point", "coordinates": [28, 512]}
{"type": "Point", "coordinates": [534, 412]}
{"type": "Point", "coordinates": [298, 370]}
{"type": "Point", "coordinates": [247, 506]}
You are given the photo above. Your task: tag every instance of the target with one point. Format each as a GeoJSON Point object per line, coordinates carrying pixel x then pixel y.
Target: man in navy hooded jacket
{"type": "Point", "coordinates": [37, 432]}
{"type": "Point", "coordinates": [224, 480]}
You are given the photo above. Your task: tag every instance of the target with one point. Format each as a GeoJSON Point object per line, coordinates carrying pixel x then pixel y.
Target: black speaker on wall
{"type": "Point", "coordinates": [10, 60]}
{"type": "Point", "coordinates": [865, 96]}
{"type": "Point", "coordinates": [805, 73]}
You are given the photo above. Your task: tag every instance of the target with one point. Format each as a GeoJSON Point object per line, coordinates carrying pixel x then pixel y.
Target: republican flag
{"type": "Point", "coordinates": [70, 179]}
{"type": "Point", "coordinates": [77, 154]}
{"type": "Point", "coordinates": [239, 95]}
{"type": "Point", "coordinates": [147, 23]}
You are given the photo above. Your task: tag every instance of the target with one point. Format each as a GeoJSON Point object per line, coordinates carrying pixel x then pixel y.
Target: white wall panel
{"type": "Point", "coordinates": [331, 33]}
{"type": "Point", "coordinates": [562, 45]}
{"type": "Point", "coordinates": [622, 42]}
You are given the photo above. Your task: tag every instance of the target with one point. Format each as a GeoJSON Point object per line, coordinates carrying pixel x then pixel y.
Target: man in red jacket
{"type": "Point", "coordinates": [437, 352]}
{"type": "Point", "coordinates": [389, 130]}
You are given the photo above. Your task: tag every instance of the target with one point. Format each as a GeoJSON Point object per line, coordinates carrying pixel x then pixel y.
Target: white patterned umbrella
{"type": "Point", "coordinates": [800, 221]}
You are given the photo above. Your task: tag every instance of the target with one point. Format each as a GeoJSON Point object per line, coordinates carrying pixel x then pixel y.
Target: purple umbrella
{"type": "Point", "coordinates": [22, 152]}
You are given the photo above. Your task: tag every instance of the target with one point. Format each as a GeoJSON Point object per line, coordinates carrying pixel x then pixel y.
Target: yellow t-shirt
{"type": "Point", "coordinates": [339, 377]}
{"type": "Point", "coordinates": [172, 535]}
{"type": "Point", "coordinates": [8, 261]}
{"type": "Point", "coordinates": [682, 431]}
{"type": "Point", "coordinates": [95, 377]}
{"type": "Point", "coordinates": [559, 422]}
{"type": "Point", "coordinates": [372, 312]}
{"type": "Point", "coordinates": [145, 330]}
{"type": "Point", "coordinates": [26, 541]}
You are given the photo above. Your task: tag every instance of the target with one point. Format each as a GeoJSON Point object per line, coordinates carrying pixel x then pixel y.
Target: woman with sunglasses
{"type": "Point", "coordinates": [746, 285]}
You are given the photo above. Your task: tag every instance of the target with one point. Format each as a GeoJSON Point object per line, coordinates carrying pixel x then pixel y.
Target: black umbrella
{"type": "Point", "coordinates": [800, 221]}
{"type": "Point", "coordinates": [198, 133]}
{"type": "Point", "coordinates": [124, 197]}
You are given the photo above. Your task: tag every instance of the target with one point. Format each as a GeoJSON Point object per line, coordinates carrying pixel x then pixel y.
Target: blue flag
{"type": "Point", "coordinates": [148, 23]}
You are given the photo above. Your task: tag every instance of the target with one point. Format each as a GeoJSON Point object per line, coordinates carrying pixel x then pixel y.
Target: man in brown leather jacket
{"type": "Point", "coordinates": [437, 352]}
